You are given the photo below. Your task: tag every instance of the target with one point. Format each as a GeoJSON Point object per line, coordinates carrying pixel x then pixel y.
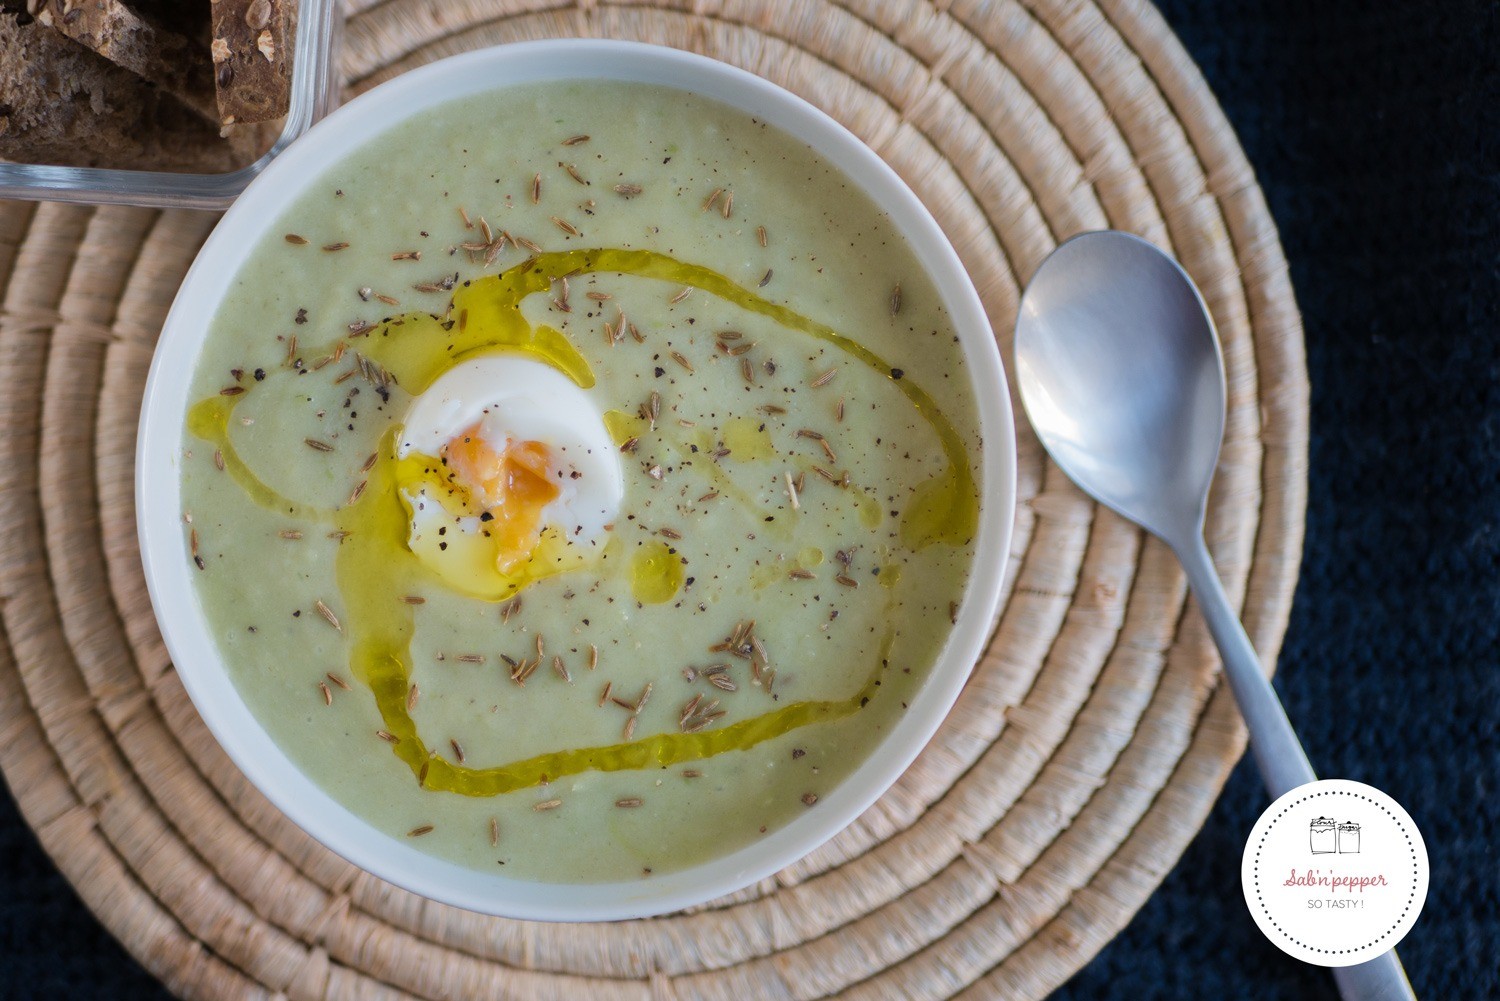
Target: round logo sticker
{"type": "Point", "coordinates": [1335, 873]}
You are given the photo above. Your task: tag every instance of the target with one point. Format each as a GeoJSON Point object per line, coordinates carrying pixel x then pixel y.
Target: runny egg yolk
{"type": "Point", "coordinates": [512, 486]}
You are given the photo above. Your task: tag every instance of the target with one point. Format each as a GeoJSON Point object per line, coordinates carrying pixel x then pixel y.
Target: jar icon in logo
{"type": "Point", "coordinates": [1323, 835]}
{"type": "Point", "coordinates": [1348, 838]}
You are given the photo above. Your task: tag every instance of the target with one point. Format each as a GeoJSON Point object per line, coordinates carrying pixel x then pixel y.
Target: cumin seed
{"type": "Point", "coordinates": [691, 773]}
{"type": "Point", "coordinates": [338, 681]}
{"type": "Point", "coordinates": [728, 205]}
{"type": "Point", "coordinates": [574, 174]}
{"type": "Point", "coordinates": [669, 533]}
{"type": "Point", "coordinates": [561, 668]}
{"type": "Point", "coordinates": [809, 798]}
{"type": "Point", "coordinates": [747, 370]}
{"type": "Point", "coordinates": [791, 491]}
{"type": "Point", "coordinates": [327, 694]}
{"type": "Point", "coordinates": [686, 291]}
{"type": "Point", "coordinates": [701, 723]}
{"type": "Point", "coordinates": [629, 802]}
{"type": "Point", "coordinates": [414, 599]}
{"type": "Point", "coordinates": [627, 190]}
{"type": "Point", "coordinates": [413, 694]}
{"type": "Point", "coordinates": [565, 226]}
{"type": "Point", "coordinates": [824, 379]}
{"type": "Point", "coordinates": [458, 750]}
{"type": "Point", "coordinates": [575, 140]}
{"type": "Point", "coordinates": [463, 214]}
{"type": "Point", "coordinates": [388, 737]}
{"type": "Point", "coordinates": [231, 390]}
{"type": "Point", "coordinates": [629, 730]}
{"type": "Point", "coordinates": [218, 460]}
{"type": "Point", "coordinates": [334, 248]}
{"type": "Point", "coordinates": [608, 687]}
{"type": "Point", "coordinates": [417, 832]}
{"type": "Point", "coordinates": [765, 279]}
{"type": "Point", "coordinates": [546, 804]}
{"type": "Point", "coordinates": [530, 245]}
{"type": "Point", "coordinates": [896, 299]}
{"type": "Point", "coordinates": [760, 234]}
{"type": "Point", "coordinates": [800, 574]}
{"type": "Point", "coordinates": [593, 656]}
{"type": "Point", "coordinates": [327, 613]}
{"type": "Point", "coordinates": [677, 356]}
{"type": "Point", "coordinates": [494, 832]}
{"type": "Point", "coordinates": [295, 240]}
{"type": "Point", "coordinates": [846, 580]}
{"type": "Point", "coordinates": [708, 202]}
{"type": "Point", "coordinates": [407, 255]}
{"type": "Point", "coordinates": [290, 534]}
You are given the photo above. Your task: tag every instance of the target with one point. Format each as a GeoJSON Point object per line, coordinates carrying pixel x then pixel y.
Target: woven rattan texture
{"type": "Point", "coordinates": [1083, 754]}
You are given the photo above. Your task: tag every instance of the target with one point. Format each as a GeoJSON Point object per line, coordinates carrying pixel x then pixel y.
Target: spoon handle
{"type": "Point", "coordinates": [1278, 753]}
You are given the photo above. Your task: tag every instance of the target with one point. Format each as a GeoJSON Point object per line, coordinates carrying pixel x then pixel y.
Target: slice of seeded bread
{"type": "Point", "coordinates": [119, 33]}
{"type": "Point", "coordinates": [252, 56]}
{"type": "Point", "coordinates": [63, 104]}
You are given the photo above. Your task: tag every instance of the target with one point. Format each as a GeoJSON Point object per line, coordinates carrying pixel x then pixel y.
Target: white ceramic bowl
{"type": "Point", "coordinates": [167, 562]}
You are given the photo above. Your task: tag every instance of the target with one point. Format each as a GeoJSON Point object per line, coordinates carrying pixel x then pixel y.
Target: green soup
{"type": "Point", "coordinates": [786, 402]}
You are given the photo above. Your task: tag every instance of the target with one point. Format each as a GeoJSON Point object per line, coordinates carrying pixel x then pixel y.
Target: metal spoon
{"type": "Point", "coordinates": [1121, 374]}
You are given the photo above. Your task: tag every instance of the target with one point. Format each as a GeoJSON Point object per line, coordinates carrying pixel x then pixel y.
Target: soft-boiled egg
{"type": "Point", "coordinates": [508, 475]}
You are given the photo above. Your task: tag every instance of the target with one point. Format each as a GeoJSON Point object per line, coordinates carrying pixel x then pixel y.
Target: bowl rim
{"type": "Point", "coordinates": [164, 545]}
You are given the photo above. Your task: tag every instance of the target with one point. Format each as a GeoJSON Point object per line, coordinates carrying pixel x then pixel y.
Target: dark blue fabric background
{"type": "Point", "coordinates": [1373, 127]}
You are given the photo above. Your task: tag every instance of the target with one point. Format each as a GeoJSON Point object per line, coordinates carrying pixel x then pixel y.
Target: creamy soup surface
{"type": "Point", "coordinates": [581, 478]}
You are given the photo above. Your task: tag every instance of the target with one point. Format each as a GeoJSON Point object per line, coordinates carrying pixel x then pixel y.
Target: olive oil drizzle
{"type": "Point", "coordinates": [658, 750]}
{"type": "Point", "coordinates": [944, 508]}
{"type": "Point", "coordinates": [374, 564]}
{"type": "Point", "coordinates": [209, 420]}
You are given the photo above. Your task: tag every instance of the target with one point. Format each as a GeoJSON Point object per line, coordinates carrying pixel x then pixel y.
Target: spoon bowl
{"type": "Point", "coordinates": [1121, 374]}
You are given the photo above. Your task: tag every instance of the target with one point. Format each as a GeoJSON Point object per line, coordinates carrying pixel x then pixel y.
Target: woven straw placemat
{"type": "Point", "coordinates": [1085, 751]}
